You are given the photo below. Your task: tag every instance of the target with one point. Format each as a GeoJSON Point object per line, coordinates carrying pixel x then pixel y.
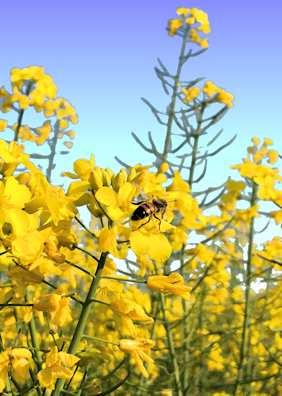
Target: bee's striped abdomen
{"type": "Point", "coordinates": [144, 210]}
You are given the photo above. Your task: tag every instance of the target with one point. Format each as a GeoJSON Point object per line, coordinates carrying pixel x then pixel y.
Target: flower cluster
{"type": "Point", "coordinates": [31, 87]}
{"type": "Point", "coordinates": [212, 93]}
{"type": "Point", "coordinates": [255, 168]}
{"type": "Point", "coordinates": [194, 22]}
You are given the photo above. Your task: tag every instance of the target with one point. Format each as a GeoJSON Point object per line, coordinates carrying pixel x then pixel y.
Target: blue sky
{"type": "Point", "coordinates": [101, 55]}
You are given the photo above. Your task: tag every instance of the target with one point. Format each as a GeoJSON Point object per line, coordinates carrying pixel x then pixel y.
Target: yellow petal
{"type": "Point", "coordinates": [106, 196]}
{"type": "Point", "coordinates": [46, 378]}
{"type": "Point", "coordinates": [156, 246]}
{"type": "Point", "coordinates": [29, 247]}
{"type": "Point", "coordinates": [68, 359]}
{"type": "Point", "coordinates": [17, 194]}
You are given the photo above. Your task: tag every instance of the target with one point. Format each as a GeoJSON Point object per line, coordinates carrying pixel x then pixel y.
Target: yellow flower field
{"type": "Point", "coordinates": [138, 281]}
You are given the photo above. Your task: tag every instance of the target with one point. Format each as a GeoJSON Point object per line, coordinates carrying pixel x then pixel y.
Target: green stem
{"type": "Point", "coordinates": [171, 107]}
{"type": "Point", "coordinates": [86, 252]}
{"type": "Point", "coordinates": [200, 375]}
{"type": "Point", "coordinates": [185, 306]}
{"type": "Point", "coordinates": [193, 159]}
{"type": "Point", "coordinates": [16, 305]}
{"type": "Point", "coordinates": [185, 329]}
{"type": "Point", "coordinates": [171, 350]}
{"type": "Point", "coordinates": [51, 157]}
{"type": "Point", "coordinates": [34, 341]}
{"type": "Point", "coordinates": [19, 124]}
{"type": "Point", "coordinates": [248, 279]}
{"type": "Point", "coordinates": [85, 228]}
{"type": "Point", "coordinates": [82, 321]}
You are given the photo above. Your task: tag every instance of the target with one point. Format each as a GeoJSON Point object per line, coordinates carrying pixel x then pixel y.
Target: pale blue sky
{"type": "Point", "coordinates": [101, 55]}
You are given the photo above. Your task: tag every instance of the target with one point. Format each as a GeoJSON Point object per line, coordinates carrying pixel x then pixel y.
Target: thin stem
{"type": "Point", "coordinates": [193, 159]}
{"type": "Point", "coordinates": [171, 111]}
{"type": "Point", "coordinates": [86, 252]}
{"type": "Point", "coordinates": [84, 227]}
{"type": "Point", "coordinates": [83, 318]}
{"type": "Point", "coordinates": [16, 305]}
{"type": "Point", "coordinates": [34, 341]}
{"type": "Point", "coordinates": [53, 144]}
{"type": "Point", "coordinates": [185, 328]}
{"type": "Point", "coordinates": [248, 278]}
{"type": "Point", "coordinates": [171, 350]}
{"type": "Point", "coordinates": [79, 268]}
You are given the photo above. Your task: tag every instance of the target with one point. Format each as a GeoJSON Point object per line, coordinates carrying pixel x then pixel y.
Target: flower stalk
{"type": "Point", "coordinates": [171, 107]}
{"type": "Point", "coordinates": [243, 352]}
{"type": "Point", "coordinates": [82, 321]}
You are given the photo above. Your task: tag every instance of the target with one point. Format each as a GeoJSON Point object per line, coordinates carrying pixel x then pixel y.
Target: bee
{"type": "Point", "coordinates": [149, 209]}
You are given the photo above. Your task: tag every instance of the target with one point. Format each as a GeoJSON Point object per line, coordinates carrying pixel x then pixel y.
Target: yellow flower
{"type": "Point", "coordinates": [182, 11]}
{"type": "Point", "coordinates": [58, 307]}
{"type": "Point", "coordinates": [166, 392]}
{"type": "Point", "coordinates": [3, 125]}
{"type": "Point", "coordinates": [42, 133]}
{"type": "Point", "coordinates": [139, 352]}
{"type": "Point", "coordinates": [178, 184]}
{"type": "Point", "coordinates": [28, 247]}
{"type": "Point", "coordinates": [275, 321]}
{"type": "Point", "coordinates": [57, 365]}
{"type": "Point", "coordinates": [116, 204]}
{"type": "Point", "coordinates": [51, 200]}
{"type": "Point", "coordinates": [190, 94]}
{"type": "Point", "coordinates": [5, 100]}
{"type": "Point", "coordinates": [11, 155]}
{"type": "Point", "coordinates": [23, 100]}
{"type": "Point", "coordinates": [267, 141]}
{"type": "Point", "coordinates": [194, 36]}
{"type": "Point", "coordinates": [19, 361]}
{"type": "Point", "coordinates": [255, 140]}
{"type": "Point", "coordinates": [171, 284]}
{"type": "Point", "coordinates": [210, 89]}
{"type": "Point", "coordinates": [40, 85]}
{"type": "Point", "coordinates": [204, 43]}
{"type": "Point", "coordinates": [22, 276]}
{"type": "Point", "coordinates": [222, 96]}
{"type": "Point", "coordinates": [108, 242]}
{"type": "Point", "coordinates": [130, 311]}
{"type": "Point", "coordinates": [13, 194]}
{"type": "Point", "coordinates": [273, 156]}
{"type": "Point", "coordinates": [4, 364]}
{"type": "Point", "coordinates": [173, 26]}
{"type": "Point", "coordinates": [190, 21]}
{"type": "Point", "coordinates": [225, 98]}
{"type": "Point", "coordinates": [82, 169]}
{"type": "Point", "coordinates": [200, 15]}
{"type": "Point", "coordinates": [164, 167]}
{"type": "Point", "coordinates": [155, 246]}
{"type": "Point", "coordinates": [215, 359]}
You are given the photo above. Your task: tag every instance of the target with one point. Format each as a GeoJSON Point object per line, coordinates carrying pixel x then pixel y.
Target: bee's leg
{"type": "Point", "coordinates": [142, 225]}
{"type": "Point", "coordinates": [159, 220]}
{"type": "Point", "coordinates": [139, 203]}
